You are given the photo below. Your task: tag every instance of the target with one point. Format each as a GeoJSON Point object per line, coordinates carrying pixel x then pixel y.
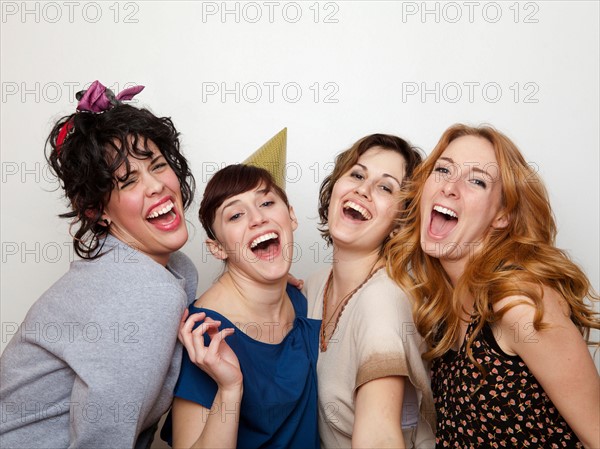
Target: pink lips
{"type": "Point", "coordinates": [160, 203]}
{"type": "Point", "coordinates": [170, 226]}
{"type": "Point", "coordinates": [162, 225]}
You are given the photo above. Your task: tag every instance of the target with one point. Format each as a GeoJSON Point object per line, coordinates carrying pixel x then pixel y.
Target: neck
{"type": "Point", "coordinates": [350, 269]}
{"type": "Point", "coordinates": [261, 300]}
{"type": "Point", "coordinates": [454, 269]}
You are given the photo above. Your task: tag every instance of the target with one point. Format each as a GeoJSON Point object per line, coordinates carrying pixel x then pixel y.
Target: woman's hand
{"type": "Point", "coordinates": [298, 283]}
{"type": "Point", "coordinates": [217, 359]}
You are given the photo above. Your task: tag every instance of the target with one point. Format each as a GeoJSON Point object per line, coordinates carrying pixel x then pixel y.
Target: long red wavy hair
{"type": "Point", "coordinates": [516, 260]}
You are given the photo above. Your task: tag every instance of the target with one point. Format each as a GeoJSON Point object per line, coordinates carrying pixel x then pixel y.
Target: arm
{"type": "Point", "coordinates": [196, 426]}
{"type": "Point", "coordinates": [383, 344]}
{"type": "Point", "coordinates": [559, 359]}
{"type": "Point", "coordinates": [121, 358]}
{"type": "Point", "coordinates": [378, 414]}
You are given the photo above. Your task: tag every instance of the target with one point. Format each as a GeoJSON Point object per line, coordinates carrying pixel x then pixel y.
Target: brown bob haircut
{"type": "Point", "coordinates": [231, 181]}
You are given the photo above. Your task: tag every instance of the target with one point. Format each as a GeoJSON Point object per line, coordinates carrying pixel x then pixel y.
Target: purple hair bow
{"type": "Point", "coordinates": [97, 98]}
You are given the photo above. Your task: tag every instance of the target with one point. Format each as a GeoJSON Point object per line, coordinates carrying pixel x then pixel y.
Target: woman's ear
{"type": "Point", "coordinates": [104, 220]}
{"type": "Point", "coordinates": [216, 249]}
{"type": "Point", "coordinates": [294, 219]}
{"type": "Point", "coordinates": [501, 221]}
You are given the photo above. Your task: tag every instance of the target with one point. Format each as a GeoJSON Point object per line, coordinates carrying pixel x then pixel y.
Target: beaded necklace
{"type": "Point", "coordinates": [342, 303]}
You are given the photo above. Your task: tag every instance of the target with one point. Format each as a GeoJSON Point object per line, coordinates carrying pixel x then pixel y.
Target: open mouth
{"type": "Point", "coordinates": [164, 215]}
{"type": "Point", "coordinates": [443, 221]}
{"type": "Point", "coordinates": [265, 245]}
{"type": "Point", "coordinates": [356, 211]}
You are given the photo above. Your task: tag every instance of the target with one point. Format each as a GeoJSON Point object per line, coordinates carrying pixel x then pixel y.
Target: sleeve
{"type": "Point", "coordinates": [298, 300]}
{"type": "Point", "coordinates": [121, 362]}
{"type": "Point", "coordinates": [313, 292]}
{"type": "Point", "coordinates": [194, 384]}
{"type": "Point", "coordinates": [382, 328]}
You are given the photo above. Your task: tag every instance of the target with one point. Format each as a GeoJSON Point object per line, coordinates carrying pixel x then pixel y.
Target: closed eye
{"type": "Point", "coordinates": [127, 182]}
{"type": "Point", "coordinates": [235, 217]}
{"type": "Point", "coordinates": [159, 166]}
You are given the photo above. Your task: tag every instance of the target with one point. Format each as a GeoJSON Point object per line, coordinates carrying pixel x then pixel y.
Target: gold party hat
{"type": "Point", "coordinates": [272, 157]}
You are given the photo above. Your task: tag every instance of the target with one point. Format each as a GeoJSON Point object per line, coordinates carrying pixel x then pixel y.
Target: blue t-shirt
{"type": "Point", "coordinates": [279, 404]}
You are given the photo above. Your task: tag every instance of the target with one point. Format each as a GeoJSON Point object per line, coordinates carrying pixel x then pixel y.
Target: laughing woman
{"type": "Point", "coordinates": [258, 388]}
{"type": "Point", "coordinates": [502, 309]}
{"type": "Point", "coordinates": [373, 386]}
{"type": "Point", "coordinates": [96, 358]}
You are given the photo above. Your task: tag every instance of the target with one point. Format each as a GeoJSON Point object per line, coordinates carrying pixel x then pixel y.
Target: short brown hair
{"type": "Point", "coordinates": [231, 181]}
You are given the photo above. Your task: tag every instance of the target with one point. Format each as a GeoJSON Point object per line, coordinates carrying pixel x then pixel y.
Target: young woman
{"type": "Point", "coordinates": [96, 358]}
{"type": "Point", "coordinates": [501, 308]}
{"type": "Point", "coordinates": [258, 388]}
{"type": "Point", "coordinates": [373, 387]}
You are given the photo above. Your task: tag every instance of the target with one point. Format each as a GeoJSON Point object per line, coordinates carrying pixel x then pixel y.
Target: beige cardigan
{"type": "Point", "coordinates": [375, 337]}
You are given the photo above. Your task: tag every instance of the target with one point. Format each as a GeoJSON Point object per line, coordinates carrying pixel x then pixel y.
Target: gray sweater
{"type": "Point", "coordinates": [96, 359]}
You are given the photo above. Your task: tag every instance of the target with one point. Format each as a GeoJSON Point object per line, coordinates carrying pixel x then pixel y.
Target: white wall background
{"type": "Point", "coordinates": [233, 74]}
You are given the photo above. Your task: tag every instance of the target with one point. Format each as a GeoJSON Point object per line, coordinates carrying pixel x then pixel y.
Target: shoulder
{"type": "Point", "coordinates": [381, 309]}
{"type": "Point", "coordinates": [316, 281]}
{"type": "Point", "coordinates": [381, 293]}
{"type": "Point", "coordinates": [298, 300]}
{"type": "Point", "coordinates": [125, 281]}
{"type": "Point", "coordinates": [313, 290]}
{"type": "Point", "coordinates": [123, 268]}
{"type": "Point", "coordinates": [182, 264]}
{"type": "Point", "coordinates": [521, 316]}
{"type": "Point", "coordinates": [516, 308]}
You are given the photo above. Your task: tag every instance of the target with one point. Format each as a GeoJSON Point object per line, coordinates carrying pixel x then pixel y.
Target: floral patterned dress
{"type": "Point", "coordinates": [506, 408]}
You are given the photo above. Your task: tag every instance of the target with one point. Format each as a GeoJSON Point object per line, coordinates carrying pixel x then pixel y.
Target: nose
{"type": "Point", "coordinates": [449, 188]}
{"type": "Point", "coordinates": [364, 189]}
{"type": "Point", "coordinates": [257, 217]}
{"type": "Point", "coordinates": [153, 184]}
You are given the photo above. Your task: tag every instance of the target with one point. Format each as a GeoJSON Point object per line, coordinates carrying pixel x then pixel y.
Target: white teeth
{"type": "Point", "coordinates": [361, 210]}
{"type": "Point", "coordinates": [443, 210]}
{"type": "Point", "coordinates": [166, 208]}
{"type": "Point", "coordinates": [263, 238]}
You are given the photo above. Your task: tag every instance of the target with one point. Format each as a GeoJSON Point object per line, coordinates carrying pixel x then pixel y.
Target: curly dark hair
{"type": "Point", "coordinates": [229, 182]}
{"type": "Point", "coordinates": [347, 159]}
{"type": "Point", "coordinates": [96, 147]}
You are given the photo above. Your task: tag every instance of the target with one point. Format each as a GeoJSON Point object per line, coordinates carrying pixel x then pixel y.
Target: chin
{"type": "Point", "coordinates": [432, 249]}
{"type": "Point", "coordinates": [177, 244]}
{"type": "Point", "coordinates": [276, 274]}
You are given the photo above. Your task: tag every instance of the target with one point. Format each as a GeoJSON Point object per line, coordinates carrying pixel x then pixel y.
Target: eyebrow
{"type": "Point", "coordinates": [158, 156]}
{"type": "Point", "coordinates": [385, 175]}
{"type": "Point", "coordinates": [134, 170]}
{"type": "Point", "coordinates": [475, 169]}
{"type": "Point", "coordinates": [233, 202]}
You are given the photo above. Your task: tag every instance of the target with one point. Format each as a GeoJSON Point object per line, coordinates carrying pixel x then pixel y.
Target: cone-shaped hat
{"type": "Point", "coordinates": [272, 157]}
